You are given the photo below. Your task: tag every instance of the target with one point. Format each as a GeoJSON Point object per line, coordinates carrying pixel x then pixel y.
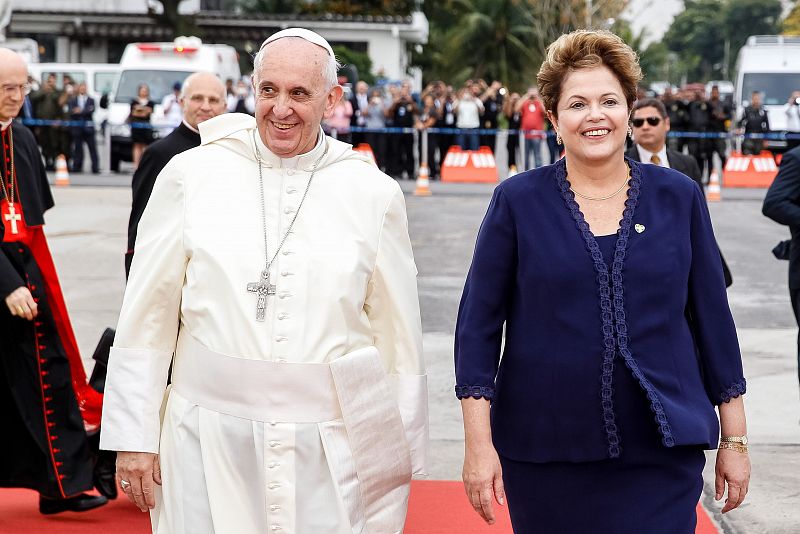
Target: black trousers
{"type": "Point", "coordinates": [79, 137]}
{"type": "Point", "coordinates": [795, 296]}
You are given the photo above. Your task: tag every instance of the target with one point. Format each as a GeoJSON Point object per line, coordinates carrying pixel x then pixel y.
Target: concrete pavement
{"type": "Point", "coordinates": [87, 233]}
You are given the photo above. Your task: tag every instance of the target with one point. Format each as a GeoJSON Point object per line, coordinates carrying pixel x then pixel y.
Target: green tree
{"type": "Point", "coordinates": [500, 39]}
{"type": "Point", "coordinates": [489, 39]}
{"type": "Point", "coordinates": [756, 17]}
{"type": "Point", "coordinates": [359, 60]}
{"type": "Point", "coordinates": [791, 25]}
{"type": "Point", "coordinates": [699, 35]}
{"type": "Point", "coordinates": [696, 37]}
{"type": "Point", "coordinates": [170, 18]}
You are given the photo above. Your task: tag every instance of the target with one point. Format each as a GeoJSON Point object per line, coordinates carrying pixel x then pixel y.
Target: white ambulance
{"type": "Point", "coordinates": [161, 66]}
{"type": "Point", "coordinates": [769, 64]}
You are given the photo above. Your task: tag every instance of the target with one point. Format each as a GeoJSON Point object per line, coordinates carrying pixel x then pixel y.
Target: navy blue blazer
{"type": "Point", "coordinates": [660, 309]}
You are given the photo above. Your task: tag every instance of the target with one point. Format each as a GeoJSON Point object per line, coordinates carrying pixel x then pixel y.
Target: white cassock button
{"type": "Point", "coordinates": [274, 507]}
{"type": "Point", "coordinates": [275, 527]}
{"type": "Point", "coordinates": [272, 423]}
{"type": "Point", "coordinates": [288, 209]}
{"type": "Point", "coordinates": [281, 339]}
{"type": "Point", "coordinates": [286, 273]}
{"type": "Point", "coordinates": [273, 485]}
{"type": "Point", "coordinates": [268, 165]}
{"type": "Point", "coordinates": [274, 444]}
{"type": "Point", "coordinates": [282, 316]}
{"type": "Point", "coordinates": [284, 295]}
{"type": "Point", "coordinates": [273, 465]}
{"type": "Point", "coordinates": [286, 252]}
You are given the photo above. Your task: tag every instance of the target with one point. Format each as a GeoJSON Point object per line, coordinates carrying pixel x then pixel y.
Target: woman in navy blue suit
{"type": "Point", "coordinates": [619, 342]}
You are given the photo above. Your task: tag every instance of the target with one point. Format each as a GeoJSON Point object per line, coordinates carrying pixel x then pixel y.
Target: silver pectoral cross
{"type": "Point", "coordinates": [13, 216]}
{"type": "Point", "coordinates": [264, 289]}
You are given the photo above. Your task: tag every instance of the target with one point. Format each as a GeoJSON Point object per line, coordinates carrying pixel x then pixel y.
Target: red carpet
{"type": "Point", "coordinates": [436, 507]}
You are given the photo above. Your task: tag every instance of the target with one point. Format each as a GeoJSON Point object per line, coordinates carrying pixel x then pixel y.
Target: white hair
{"type": "Point", "coordinates": [329, 72]}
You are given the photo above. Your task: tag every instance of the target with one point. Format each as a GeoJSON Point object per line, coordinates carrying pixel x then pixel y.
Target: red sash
{"type": "Point", "coordinates": [89, 400]}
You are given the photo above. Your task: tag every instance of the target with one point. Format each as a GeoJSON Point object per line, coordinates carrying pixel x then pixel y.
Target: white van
{"type": "Point", "coordinates": [161, 66]}
{"type": "Point", "coordinates": [769, 64]}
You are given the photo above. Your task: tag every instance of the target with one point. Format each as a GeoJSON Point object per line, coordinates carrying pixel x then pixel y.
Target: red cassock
{"type": "Point", "coordinates": [47, 410]}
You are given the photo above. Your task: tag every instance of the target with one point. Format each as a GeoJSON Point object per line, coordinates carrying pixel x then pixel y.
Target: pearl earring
{"type": "Point", "coordinates": [558, 139]}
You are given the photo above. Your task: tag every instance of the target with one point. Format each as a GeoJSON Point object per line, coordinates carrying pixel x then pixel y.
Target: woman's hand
{"type": "Point", "coordinates": [733, 469]}
{"type": "Point", "coordinates": [20, 303]}
{"type": "Point", "coordinates": [139, 470]}
{"type": "Point", "coordinates": [483, 480]}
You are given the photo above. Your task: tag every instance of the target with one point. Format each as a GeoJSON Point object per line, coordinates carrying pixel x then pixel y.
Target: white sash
{"type": "Point", "coordinates": [353, 388]}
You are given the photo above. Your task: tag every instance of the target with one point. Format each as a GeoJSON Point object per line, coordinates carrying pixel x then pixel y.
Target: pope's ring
{"type": "Point", "coordinates": [125, 484]}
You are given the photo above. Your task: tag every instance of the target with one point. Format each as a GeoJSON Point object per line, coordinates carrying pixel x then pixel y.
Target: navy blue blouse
{"type": "Point", "coordinates": [657, 306]}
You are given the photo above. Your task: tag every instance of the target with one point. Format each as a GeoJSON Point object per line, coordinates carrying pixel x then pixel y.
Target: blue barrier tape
{"type": "Point", "coordinates": [781, 136]}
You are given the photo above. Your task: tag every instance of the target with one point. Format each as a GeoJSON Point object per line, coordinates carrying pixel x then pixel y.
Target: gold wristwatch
{"type": "Point", "coordinates": [734, 439]}
{"type": "Point", "coordinates": [734, 443]}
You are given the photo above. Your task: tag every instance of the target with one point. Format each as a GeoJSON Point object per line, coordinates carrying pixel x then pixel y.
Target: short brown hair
{"type": "Point", "coordinates": [650, 103]}
{"type": "Point", "coordinates": [583, 49]}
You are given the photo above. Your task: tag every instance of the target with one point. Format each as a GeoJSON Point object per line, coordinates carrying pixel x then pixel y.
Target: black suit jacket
{"type": "Point", "coordinates": [680, 162]}
{"type": "Point", "coordinates": [85, 114]}
{"type": "Point", "coordinates": [688, 166]}
{"type": "Point", "coordinates": [154, 159]}
{"type": "Point", "coordinates": [782, 205]}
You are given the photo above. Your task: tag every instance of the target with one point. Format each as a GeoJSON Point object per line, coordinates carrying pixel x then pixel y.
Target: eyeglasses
{"type": "Point", "coordinates": [10, 89]}
{"type": "Point", "coordinates": [652, 121]}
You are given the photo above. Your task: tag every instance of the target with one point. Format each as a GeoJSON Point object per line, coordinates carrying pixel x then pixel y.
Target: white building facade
{"type": "Point", "coordinates": [77, 31]}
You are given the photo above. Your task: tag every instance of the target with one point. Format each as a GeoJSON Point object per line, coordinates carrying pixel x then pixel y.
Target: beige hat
{"type": "Point", "coordinates": [302, 33]}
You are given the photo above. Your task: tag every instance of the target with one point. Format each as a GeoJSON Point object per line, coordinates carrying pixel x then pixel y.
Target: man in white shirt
{"type": "Point", "coordinates": [275, 264]}
{"type": "Point", "coordinates": [173, 113]}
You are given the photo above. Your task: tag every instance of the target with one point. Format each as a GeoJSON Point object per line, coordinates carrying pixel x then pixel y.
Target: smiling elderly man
{"type": "Point", "coordinates": [44, 398]}
{"type": "Point", "coordinates": [275, 263]}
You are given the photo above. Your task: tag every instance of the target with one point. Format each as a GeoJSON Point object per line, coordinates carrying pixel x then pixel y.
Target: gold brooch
{"type": "Point", "coordinates": [639, 228]}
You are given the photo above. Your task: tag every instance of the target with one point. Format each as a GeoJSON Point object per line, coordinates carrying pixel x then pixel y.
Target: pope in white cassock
{"type": "Point", "coordinates": [274, 265]}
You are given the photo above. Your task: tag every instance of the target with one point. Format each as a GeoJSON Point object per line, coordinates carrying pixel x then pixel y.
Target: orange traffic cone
{"type": "Point", "coordinates": [62, 174]}
{"type": "Point", "coordinates": [423, 184]}
{"type": "Point", "coordinates": [713, 193]}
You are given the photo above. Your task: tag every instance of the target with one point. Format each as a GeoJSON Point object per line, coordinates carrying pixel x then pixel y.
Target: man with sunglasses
{"type": "Point", "coordinates": [650, 126]}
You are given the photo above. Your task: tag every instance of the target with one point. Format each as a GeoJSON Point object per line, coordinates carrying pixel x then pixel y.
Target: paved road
{"type": "Point", "coordinates": [87, 235]}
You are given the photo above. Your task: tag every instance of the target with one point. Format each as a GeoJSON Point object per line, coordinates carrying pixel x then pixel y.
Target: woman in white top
{"type": "Point", "coordinates": [468, 110]}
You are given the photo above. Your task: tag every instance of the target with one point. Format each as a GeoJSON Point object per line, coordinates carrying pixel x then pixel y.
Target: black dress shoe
{"type": "Point", "coordinates": [79, 503]}
{"type": "Point", "coordinates": [103, 474]}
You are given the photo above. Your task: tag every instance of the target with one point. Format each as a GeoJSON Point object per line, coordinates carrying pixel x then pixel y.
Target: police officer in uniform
{"type": "Point", "coordinates": [754, 121]}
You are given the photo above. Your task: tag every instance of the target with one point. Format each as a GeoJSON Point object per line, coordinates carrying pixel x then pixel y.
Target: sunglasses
{"type": "Point", "coordinates": [652, 121]}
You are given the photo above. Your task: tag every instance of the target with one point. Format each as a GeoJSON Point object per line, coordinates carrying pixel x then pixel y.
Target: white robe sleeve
{"type": "Point", "coordinates": [148, 325]}
{"type": "Point", "coordinates": [392, 305]}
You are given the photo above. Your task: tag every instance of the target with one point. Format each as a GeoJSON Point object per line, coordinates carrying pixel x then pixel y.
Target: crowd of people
{"type": "Point", "coordinates": [469, 116]}
{"type": "Point", "coordinates": [466, 116]}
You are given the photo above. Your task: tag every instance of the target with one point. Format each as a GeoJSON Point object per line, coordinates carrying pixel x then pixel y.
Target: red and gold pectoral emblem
{"type": "Point", "coordinates": [10, 216]}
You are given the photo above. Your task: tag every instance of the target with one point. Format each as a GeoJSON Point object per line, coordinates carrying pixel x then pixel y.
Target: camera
{"type": "Point", "coordinates": [797, 101]}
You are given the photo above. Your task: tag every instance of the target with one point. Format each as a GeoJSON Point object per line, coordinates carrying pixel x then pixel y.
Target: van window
{"type": "Point", "coordinates": [104, 82]}
{"type": "Point", "coordinates": [775, 87]}
{"type": "Point", "coordinates": [76, 76]}
{"type": "Point", "coordinates": [160, 83]}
